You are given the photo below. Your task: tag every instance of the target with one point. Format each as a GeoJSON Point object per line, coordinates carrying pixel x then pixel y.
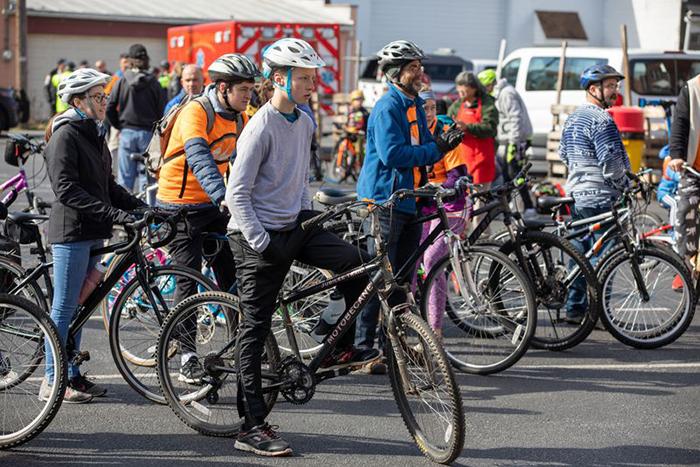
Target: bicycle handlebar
{"type": "Point", "coordinates": [150, 217]}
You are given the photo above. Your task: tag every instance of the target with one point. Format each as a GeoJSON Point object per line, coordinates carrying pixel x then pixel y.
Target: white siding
{"type": "Point", "coordinates": [44, 49]}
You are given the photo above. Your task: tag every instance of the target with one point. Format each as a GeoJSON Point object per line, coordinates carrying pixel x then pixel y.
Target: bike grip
{"type": "Point", "coordinates": [309, 224]}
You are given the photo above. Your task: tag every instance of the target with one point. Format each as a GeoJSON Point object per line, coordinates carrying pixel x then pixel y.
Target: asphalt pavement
{"type": "Point", "coordinates": [601, 403]}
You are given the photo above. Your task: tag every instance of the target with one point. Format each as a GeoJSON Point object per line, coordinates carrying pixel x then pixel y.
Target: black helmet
{"type": "Point", "coordinates": [233, 67]}
{"type": "Point", "coordinates": [396, 54]}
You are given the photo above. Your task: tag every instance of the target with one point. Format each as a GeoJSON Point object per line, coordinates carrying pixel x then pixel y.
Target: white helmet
{"type": "Point", "coordinates": [291, 52]}
{"type": "Point", "coordinates": [232, 67]}
{"type": "Point", "coordinates": [80, 81]}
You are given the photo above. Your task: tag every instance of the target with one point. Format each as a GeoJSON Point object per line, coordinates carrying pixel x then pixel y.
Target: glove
{"type": "Point", "coordinates": [511, 152]}
{"type": "Point", "coordinates": [450, 139]}
{"type": "Point", "coordinates": [123, 217]}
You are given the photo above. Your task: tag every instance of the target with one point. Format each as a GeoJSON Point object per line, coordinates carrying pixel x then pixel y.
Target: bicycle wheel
{"type": "Point", "coordinates": [25, 330]}
{"type": "Point", "coordinates": [11, 275]}
{"type": "Point", "coordinates": [135, 325]}
{"type": "Point", "coordinates": [156, 255]}
{"type": "Point", "coordinates": [491, 315]}
{"type": "Point", "coordinates": [652, 323]}
{"type": "Point", "coordinates": [304, 313]}
{"type": "Point", "coordinates": [554, 266]}
{"type": "Point", "coordinates": [425, 389]}
{"type": "Point", "coordinates": [210, 407]}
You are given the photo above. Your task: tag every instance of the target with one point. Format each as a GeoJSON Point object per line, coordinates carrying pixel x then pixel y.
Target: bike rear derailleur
{"type": "Point", "coordinates": [300, 387]}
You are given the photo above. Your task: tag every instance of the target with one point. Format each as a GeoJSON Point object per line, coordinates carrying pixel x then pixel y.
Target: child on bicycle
{"type": "Point", "coordinates": [444, 172]}
{"type": "Point", "coordinates": [268, 197]}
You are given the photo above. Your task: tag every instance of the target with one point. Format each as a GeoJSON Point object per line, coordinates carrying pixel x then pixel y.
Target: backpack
{"type": "Point", "coordinates": [155, 153]}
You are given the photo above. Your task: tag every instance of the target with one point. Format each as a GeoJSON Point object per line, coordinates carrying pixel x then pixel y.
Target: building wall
{"type": "Point", "coordinates": [474, 28]}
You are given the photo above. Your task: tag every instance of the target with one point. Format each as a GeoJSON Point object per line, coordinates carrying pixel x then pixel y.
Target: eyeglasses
{"type": "Point", "coordinates": [99, 98]}
{"type": "Point", "coordinates": [414, 67]}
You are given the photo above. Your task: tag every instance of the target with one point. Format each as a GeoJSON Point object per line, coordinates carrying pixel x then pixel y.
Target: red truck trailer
{"type": "Point", "coordinates": [203, 43]}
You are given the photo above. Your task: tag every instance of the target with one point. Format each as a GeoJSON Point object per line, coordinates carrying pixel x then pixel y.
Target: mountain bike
{"type": "Point", "coordinates": [421, 377]}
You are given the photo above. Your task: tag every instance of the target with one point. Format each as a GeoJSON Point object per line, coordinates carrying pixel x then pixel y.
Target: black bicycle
{"type": "Point", "coordinates": [421, 377]}
{"type": "Point", "coordinates": [551, 263]}
{"type": "Point", "coordinates": [139, 309]}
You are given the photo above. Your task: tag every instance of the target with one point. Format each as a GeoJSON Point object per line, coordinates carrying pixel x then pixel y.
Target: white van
{"type": "Point", "coordinates": [533, 72]}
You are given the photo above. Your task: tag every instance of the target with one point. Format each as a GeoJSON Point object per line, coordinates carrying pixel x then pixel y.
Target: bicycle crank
{"type": "Point", "coordinates": [301, 386]}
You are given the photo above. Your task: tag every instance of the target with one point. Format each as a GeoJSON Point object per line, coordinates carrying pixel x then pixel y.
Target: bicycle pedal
{"type": "Point", "coordinates": [80, 357]}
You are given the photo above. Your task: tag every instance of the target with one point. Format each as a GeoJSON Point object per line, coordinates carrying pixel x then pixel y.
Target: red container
{"type": "Point", "coordinates": [628, 119]}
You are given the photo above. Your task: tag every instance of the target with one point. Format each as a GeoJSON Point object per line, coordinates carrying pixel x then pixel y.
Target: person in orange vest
{"type": "Point", "coordinates": [193, 179]}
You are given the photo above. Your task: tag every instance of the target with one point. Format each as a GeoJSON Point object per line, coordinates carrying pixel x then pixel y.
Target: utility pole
{"type": "Point", "coordinates": [21, 44]}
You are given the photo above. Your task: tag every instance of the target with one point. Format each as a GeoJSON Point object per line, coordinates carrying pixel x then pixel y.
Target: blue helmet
{"type": "Point", "coordinates": [597, 73]}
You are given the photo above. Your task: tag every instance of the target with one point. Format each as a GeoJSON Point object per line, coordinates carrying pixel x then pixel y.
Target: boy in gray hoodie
{"type": "Point", "coordinates": [267, 194]}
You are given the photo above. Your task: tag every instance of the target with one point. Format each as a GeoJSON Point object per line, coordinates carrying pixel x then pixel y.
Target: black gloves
{"type": "Point", "coordinates": [450, 139]}
{"type": "Point", "coordinates": [123, 217]}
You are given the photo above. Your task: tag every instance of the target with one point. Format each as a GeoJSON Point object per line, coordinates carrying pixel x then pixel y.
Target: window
{"type": "Point", "coordinates": [542, 72]}
{"type": "Point", "coordinates": [442, 71]}
{"type": "Point", "coordinates": [685, 69]}
{"type": "Point", "coordinates": [653, 77]}
{"type": "Point", "coordinates": [510, 71]}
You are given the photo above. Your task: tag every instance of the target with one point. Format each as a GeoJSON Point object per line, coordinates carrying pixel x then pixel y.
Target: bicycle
{"type": "Point", "coordinates": [348, 155]}
{"type": "Point", "coordinates": [25, 331]}
{"type": "Point", "coordinates": [633, 272]}
{"type": "Point", "coordinates": [139, 309]}
{"type": "Point", "coordinates": [412, 352]}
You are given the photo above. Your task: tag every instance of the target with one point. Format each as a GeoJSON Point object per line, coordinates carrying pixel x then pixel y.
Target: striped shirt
{"type": "Point", "coordinates": [592, 149]}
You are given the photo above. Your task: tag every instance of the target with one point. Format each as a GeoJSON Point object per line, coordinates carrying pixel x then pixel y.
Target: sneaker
{"type": "Point", "coordinates": [72, 396]}
{"type": "Point", "coordinates": [349, 357]}
{"type": "Point", "coordinates": [262, 440]}
{"type": "Point", "coordinates": [677, 284]}
{"type": "Point", "coordinates": [191, 372]}
{"type": "Point", "coordinates": [375, 367]}
{"type": "Point", "coordinates": [82, 384]}
{"type": "Point", "coordinates": [574, 319]}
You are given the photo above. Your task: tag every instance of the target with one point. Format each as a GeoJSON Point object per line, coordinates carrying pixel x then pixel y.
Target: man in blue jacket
{"type": "Point", "coordinates": [398, 139]}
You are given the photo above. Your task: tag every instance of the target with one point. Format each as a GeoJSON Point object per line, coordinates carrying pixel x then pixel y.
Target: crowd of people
{"type": "Point", "coordinates": [237, 162]}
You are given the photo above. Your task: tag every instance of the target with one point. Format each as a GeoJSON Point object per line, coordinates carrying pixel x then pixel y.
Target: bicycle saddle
{"type": "Point", "coordinates": [25, 217]}
{"type": "Point", "coordinates": [549, 202]}
{"type": "Point", "coordinates": [333, 196]}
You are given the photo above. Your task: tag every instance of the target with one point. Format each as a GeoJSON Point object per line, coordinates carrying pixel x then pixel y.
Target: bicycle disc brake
{"type": "Point", "coordinates": [301, 386]}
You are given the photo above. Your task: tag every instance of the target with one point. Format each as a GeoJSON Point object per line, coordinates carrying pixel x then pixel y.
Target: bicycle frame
{"type": "Point", "coordinates": [85, 310]}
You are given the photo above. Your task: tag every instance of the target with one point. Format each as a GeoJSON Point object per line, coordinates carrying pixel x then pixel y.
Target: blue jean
{"type": "Point", "coordinates": [402, 236]}
{"type": "Point", "coordinates": [71, 264]}
{"type": "Point", "coordinates": [577, 301]}
{"type": "Point", "coordinates": [132, 142]}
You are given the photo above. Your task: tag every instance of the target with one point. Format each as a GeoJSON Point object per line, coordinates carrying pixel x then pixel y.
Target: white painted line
{"type": "Point", "coordinates": [630, 366]}
{"type": "Point", "coordinates": [622, 366]}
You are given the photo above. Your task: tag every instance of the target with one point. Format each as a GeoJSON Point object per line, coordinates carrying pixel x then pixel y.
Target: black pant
{"type": "Point", "coordinates": [186, 250]}
{"type": "Point", "coordinates": [260, 278]}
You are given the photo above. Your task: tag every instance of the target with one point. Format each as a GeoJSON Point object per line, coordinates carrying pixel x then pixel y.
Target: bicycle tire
{"type": "Point", "coordinates": [648, 338]}
{"type": "Point", "coordinates": [126, 360]}
{"type": "Point", "coordinates": [11, 274]}
{"type": "Point", "coordinates": [481, 340]}
{"type": "Point", "coordinates": [171, 390]}
{"type": "Point", "coordinates": [423, 351]}
{"type": "Point", "coordinates": [51, 338]}
{"type": "Point", "coordinates": [553, 332]}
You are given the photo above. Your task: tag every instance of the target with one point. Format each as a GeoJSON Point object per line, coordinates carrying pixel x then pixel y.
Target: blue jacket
{"type": "Point", "coordinates": [174, 101]}
{"type": "Point", "coordinates": [390, 157]}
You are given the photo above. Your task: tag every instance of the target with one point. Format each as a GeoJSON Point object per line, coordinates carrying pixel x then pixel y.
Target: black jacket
{"type": "Point", "coordinates": [681, 126]}
{"type": "Point", "coordinates": [88, 200]}
{"type": "Point", "coordinates": [136, 101]}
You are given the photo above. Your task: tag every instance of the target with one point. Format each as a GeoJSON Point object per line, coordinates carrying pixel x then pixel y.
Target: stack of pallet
{"type": "Point", "coordinates": [555, 167]}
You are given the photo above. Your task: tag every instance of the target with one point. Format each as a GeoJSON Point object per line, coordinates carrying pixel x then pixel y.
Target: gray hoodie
{"type": "Point", "coordinates": [513, 121]}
